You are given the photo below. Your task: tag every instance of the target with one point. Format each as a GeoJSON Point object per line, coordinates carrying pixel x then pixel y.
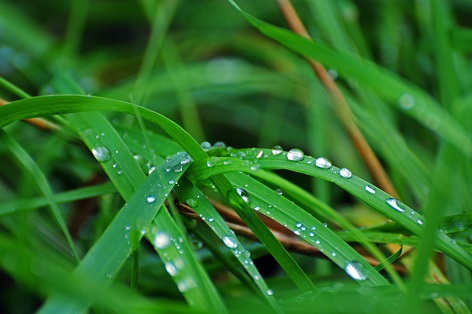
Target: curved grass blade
{"type": "Point", "coordinates": [317, 208]}
{"type": "Point", "coordinates": [379, 200]}
{"type": "Point", "coordinates": [62, 104]}
{"type": "Point", "coordinates": [104, 260]}
{"type": "Point", "coordinates": [43, 185]}
{"type": "Point", "coordinates": [197, 200]}
{"type": "Point", "coordinates": [270, 203]}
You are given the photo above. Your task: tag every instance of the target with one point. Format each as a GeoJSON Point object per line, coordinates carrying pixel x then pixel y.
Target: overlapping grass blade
{"type": "Point", "coordinates": [43, 184]}
{"type": "Point", "coordinates": [104, 260]}
{"type": "Point", "coordinates": [378, 199]}
{"type": "Point", "coordinates": [291, 216]}
{"type": "Point", "coordinates": [181, 263]}
{"type": "Point", "coordinates": [62, 104]}
{"type": "Point", "coordinates": [197, 200]}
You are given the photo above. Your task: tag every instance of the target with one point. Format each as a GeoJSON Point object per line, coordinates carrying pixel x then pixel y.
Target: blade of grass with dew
{"type": "Point", "coordinates": [260, 230]}
{"type": "Point", "coordinates": [198, 202]}
{"type": "Point", "coordinates": [55, 276]}
{"type": "Point", "coordinates": [63, 104]}
{"type": "Point", "coordinates": [90, 124]}
{"type": "Point", "coordinates": [63, 197]}
{"type": "Point", "coordinates": [422, 106]}
{"type": "Point", "coordinates": [267, 202]}
{"type": "Point", "coordinates": [47, 105]}
{"type": "Point", "coordinates": [43, 184]}
{"type": "Point", "coordinates": [108, 254]}
{"type": "Point", "coordinates": [379, 200]}
{"type": "Point", "coordinates": [317, 208]}
{"type": "Point", "coordinates": [182, 264]}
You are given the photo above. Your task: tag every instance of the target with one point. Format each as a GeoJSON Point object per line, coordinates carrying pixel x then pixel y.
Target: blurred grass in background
{"type": "Point", "coordinates": [204, 66]}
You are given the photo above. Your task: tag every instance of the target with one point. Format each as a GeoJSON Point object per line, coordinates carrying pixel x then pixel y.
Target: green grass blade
{"type": "Point", "coordinates": [282, 210]}
{"type": "Point", "coordinates": [379, 200]}
{"type": "Point", "coordinates": [61, 104]}
{"type": "Point", "coordinates": [197, 200]}
{"type": "Point", "coordinates": [43, 184]}
{"type": "Point", "coordinates": [181, 263]}
{"type": "Point", "coordinates": [64, 197]}
{"type": "Point", "coordinates": [104, 260]}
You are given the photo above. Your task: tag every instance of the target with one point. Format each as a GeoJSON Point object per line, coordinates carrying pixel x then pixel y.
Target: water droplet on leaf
{"type": "Point", "coordinates": [345, 173]}
{"type": "Point", "coordinates": [355, 270]}
{"type": "Point", "coordinates": [406, 101]}
{"type": "Point", "coordinates": [150, 199]}
{"type": "Point", "coordinates": [205, 145]}
{"type": "Point", "coordinates": [369, 189]}
{"type": "Point", "coordinates": [295, 154]}
{"type": "Point", "coordinates": [395, 204]}
{"type": "Point", "coordinates": [219, 145]}
{"type": "Point", "coordinates": [161, 240]}
{"type": "Point", "coordinates": [101, 154]}
{"type": "Point", "coordinates": [323, 163]}
{"type": "Point", "coordinates": [277, 150]}
{"type": "Point", "coordinates": [244, 195]}
{"type": "Point", "coordinates": [230, 242]}
{"type": "Point", "coordinates": [192, 202]}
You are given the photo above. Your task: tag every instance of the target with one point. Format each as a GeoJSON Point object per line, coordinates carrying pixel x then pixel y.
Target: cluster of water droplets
{"type": "Point", "coordinates": [171, 251]}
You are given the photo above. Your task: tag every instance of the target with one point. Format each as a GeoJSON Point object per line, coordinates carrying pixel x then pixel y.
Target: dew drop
{"type": "Point", "coordinates": [323, 163]}
{"type": "Point", "coordinates": [185, 159]}
{"type": "Point", "coordinates": [255, 167]}
{"type": "Point", "coordinates": [259, 154]}
{"type": "Point", "coordinates": [244, 195]}
{"type": "Point", "coordinates": [355, 270]}
{"type": "Point", "coordinates": [419, 221]}
{"type": "Point", "coordinates": [101, 153]}
{"type": "Point", "coordinates": [219, 145]}
{"type": "Point", "coordinates": [395, 204]}
{"type": "Point", "coordinates": [345, 173]}
{"type": "Point", "coordinates": [406, 101]}
{"type": "Point", "coordinates": [277, 150]}
{"type": "Point", "coordinates": [279, 191]}
{"type": "Point", "coordinates": [257, 208]}
{"type": "Point", "coordinates": [369, 189]}
{"type": "Point", "coordinates": [171, 269]}
{"type": "Point", "coordinates": [151, 170]}
{"type": "Point", "coordinates": [230, 242]}
{"type": "Point", "coordinates": [150, 199]}
{"type": "Point", "coordinates": [205, 145]}
{"type": "Point", "coordinates": [161, 240]}
{"type": "Point", "coordinates": [178, 168]}
{"type": "Point", "coordinates": [270, 292]}
{"type": "Point", "coordinates": [295, 154]}
{"type": "Point", "coordinates": [192, 202]}
{"type": "Point", "coordinates": [212, 161]}
{"type": "Point", "coordinates": [171, 181]}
